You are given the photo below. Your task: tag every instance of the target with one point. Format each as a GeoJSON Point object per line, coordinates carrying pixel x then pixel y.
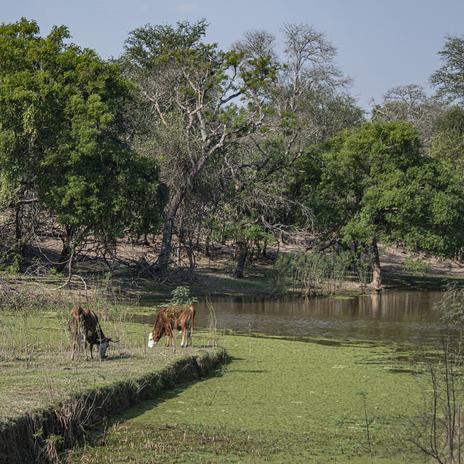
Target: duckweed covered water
{"type": "Point", "coordinates": [276, 401]}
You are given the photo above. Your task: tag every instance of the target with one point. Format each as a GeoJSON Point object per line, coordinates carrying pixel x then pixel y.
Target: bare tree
{"type": "Point", "coordinates": [191, 88]}
{"type": "Point", "coordinates": [410, 103]}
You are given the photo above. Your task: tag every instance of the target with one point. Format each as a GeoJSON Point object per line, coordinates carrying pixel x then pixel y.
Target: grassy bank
{"type": "Point", "coordinates": [44, 395]}
{"type": "Point", "coordinates": [277, 401]}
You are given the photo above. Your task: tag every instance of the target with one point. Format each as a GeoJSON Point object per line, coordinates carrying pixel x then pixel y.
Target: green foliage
{"type": "Point", "coordinates": [10, 263]}
{"type": "Point", "coordinates": [447, 143]}
{"type": "Point", "coordinates": [181, 296]}
{"type": "Point", "coordinates": [245, 230]}
{"type": "Point", "coordinates": [375, 184]}
{"type": "Point", "coordinates": [449, 79]}
{"type": "Point", "coordinates": [62, 135]}
{"type": "Point", "coordinates": [415, 266]}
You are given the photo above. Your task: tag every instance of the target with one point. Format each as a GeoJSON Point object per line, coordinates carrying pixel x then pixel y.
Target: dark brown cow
{"type": "Point", "coordinates": [86, 330]}
{"type": "Point", "coordinates": [172, 318]}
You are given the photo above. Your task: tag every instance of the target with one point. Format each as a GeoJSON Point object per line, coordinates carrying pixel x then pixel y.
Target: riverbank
{"type": "Point", "coordinates": [48, 402]}
{"type": "Point", "coordinates": [278, 401]}
{"type": "Point", "coordinates": [213, 276]}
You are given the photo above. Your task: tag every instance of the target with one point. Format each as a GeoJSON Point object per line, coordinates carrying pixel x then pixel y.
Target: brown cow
{"type": "Point", "coordinates": [86, 330]}
{"type": "Point", "coordinates": [170, 318]}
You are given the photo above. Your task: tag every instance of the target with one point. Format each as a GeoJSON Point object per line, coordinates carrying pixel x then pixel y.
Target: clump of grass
{"type": "Point", "coordinates": [312, 274]}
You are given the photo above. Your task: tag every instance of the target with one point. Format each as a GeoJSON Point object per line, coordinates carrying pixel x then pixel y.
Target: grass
{"type": "Point", "coordinates": [36, 370]}
{"type": "Point", "coordinates": [413, 281]}
{"type": "Point", "coordinates": [277, 401]}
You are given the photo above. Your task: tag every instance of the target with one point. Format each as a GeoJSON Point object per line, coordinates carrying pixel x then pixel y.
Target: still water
{"type": "Point", "coordinates": [392, 316]}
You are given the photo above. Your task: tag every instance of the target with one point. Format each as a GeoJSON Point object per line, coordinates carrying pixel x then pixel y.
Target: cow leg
{"type": "Point", "coordinates": [190, 333]}
{"type": "Point", "coordinates": [74, 348]}
{"type": "Point", "coordinates": [173, 339]}
{"type": "Point", "coordinates": [91, 351]}
{"type": "Point", "coordinates": [182, 341]}
{"type": "Point", "coordinates": [86, 350]}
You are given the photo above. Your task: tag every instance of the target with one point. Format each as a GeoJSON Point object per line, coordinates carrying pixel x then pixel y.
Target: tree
{"type": "Point", "coordinates": [411, 104]}
{"type": "Point", "coordinates": [448, 139]}
{"type": "Point", "coordinates": [307, 103]}
{"type": "Point", "coordinates": [377, 186]}
{"type": "Point", "coordinates": [449, 79]}
{"type": "Point", "coordinates": [309, 99]}
{"type": "Point", "coordinates": [189, 88]}
{"type": "Point", "coordinates": [29, 116]}
{"type": "Point", "coordinates": [63, 139]}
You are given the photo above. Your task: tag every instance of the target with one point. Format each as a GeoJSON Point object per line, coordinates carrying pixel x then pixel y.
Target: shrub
{"type": "Point", "coordinates": [181, 296]}
{"type": "Point", "coordinates": [415, 266]}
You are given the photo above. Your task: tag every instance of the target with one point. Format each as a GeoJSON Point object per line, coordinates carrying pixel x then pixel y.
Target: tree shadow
{"type": "Point", "coordinates": [428, 281]}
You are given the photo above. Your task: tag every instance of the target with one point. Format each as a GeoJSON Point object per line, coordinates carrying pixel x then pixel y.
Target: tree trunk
{"type": "Point", "coordinates": [171, 213]}
{"type": "Point", "coordinates": [191, 254]}
{"type": "Point", "coordinates": [376, 282]}
{"type": "Point", "coordinates": [66, 251]}
{"type": "Point", "coordinates": [264, 251]}
{"type": "Point", "coordinates": [19, 246]}
{"type": "Point", "coordinates": [166, 243]}
{"type": "Point", "coordinates": [223, 232]}
{"type": "Point", "coordinates": [207, 244]}
{"type": "Point", "coordinates": [180, 240]}
{"type": "Point", "coordinates": [241, 260]}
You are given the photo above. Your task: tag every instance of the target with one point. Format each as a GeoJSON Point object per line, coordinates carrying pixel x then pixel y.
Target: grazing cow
{"type": "Point", "coordinates": [86, 330]}
{"type": "Point", "coordinates": [173, 318]}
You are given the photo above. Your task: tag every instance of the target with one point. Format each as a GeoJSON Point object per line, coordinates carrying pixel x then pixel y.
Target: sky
{"type": "Point", "coordinates": [380, 43]}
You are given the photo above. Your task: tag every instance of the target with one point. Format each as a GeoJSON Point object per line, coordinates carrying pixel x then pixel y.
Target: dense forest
{"type": "Point", "coordinates": [179, 146]}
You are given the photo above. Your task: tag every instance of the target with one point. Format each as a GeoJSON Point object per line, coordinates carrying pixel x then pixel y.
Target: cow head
{"type": "Point", "coordinates": [103, 347]}
{"type": "Point", "coordinates": [151, 342]}
{"type": "Point", "coordinates": [157, 332]}
{"type": "Point", "coordinates": [155, 335]}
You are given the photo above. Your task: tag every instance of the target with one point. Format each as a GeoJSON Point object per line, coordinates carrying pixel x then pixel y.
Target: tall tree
{"type": "Point", "coordinates": [308, 102]}
{"type": "Point", "coordinates": [30, 121]}
{"type": "Point", "coordinates": [411, 104]}
{"type": "Point", "coordinates": [309, 99]}
{"type": "Point", "coordinates": [377, 186]}
{"type": "Point", "coordinates": [62, 136]}
{"type": "Point", "coordinates": [449, 79]}
{"type": "Point", "coordinates": [189, 88]}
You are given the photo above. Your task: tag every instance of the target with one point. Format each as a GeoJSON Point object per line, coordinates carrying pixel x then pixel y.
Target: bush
{"type": "Point", "coordinates": [415, 266]}
{"type": "Point", "coordinates": [451, 307]}
{"type": "Point", "coordinates": [181, 296]}
{"type": "Point", "coordinates": [313, 273]}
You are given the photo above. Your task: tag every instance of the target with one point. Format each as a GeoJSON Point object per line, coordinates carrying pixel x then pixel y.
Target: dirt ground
{"type": "Point", "coordinates": [122, 274]}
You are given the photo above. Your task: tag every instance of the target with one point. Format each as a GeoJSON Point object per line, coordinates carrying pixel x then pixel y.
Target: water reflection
{"type": "Point", "coordinates": [401, 316]}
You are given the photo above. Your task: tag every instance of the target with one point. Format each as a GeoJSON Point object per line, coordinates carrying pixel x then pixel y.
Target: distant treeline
{"type": "Point", "coordinates": [178, 138]}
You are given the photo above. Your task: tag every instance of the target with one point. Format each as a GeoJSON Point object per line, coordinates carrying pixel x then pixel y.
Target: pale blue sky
{"type": "Point", "coordinates": [381, 43]}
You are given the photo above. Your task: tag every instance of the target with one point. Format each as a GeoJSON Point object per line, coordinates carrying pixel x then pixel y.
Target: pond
{"type": "Point", "coordinates": [392, 316]}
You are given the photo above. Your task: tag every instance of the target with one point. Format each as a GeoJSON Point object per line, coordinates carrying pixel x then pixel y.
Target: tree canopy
{"type": "Point", "coordinates": [62, 136]}
{"type": "Point", "coordinates": [375, 185]}
{"type": "Point", "coordinates": [259, 143]}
